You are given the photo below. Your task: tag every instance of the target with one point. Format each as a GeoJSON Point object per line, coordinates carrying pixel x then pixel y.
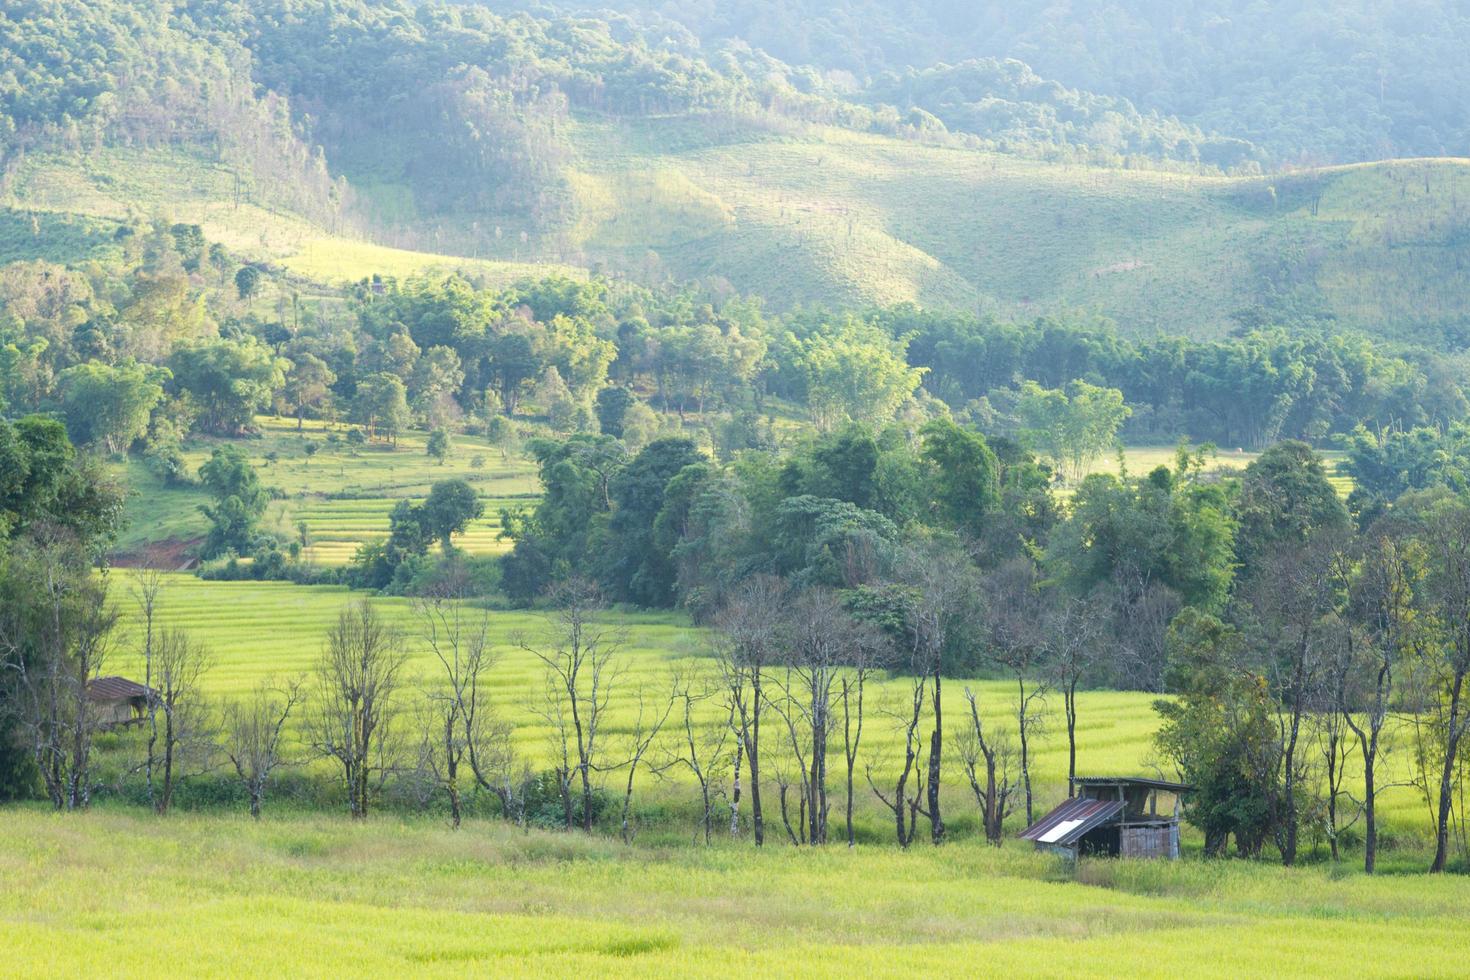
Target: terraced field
{"type": "Point", "coordinates": [342, 494]}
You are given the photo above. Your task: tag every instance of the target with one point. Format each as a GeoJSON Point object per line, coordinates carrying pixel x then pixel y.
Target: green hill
{"type": "Point", "coordinates": [827, 216]}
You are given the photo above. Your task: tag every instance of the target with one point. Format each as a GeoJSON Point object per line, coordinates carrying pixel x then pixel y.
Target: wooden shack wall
{"type": "Point", "coordinates": [1149, 841]}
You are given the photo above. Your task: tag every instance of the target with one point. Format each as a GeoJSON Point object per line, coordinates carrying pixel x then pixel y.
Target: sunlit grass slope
{"type": "Point", "coordinates": [820, 216]}
{"type": "Point", "coordinates": [123, 895]}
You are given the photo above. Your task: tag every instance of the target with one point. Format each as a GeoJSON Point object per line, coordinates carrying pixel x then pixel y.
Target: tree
{"type": "Point", "coordinates": [239, 501]}
{"type": "Point", "coordinates": [110, 405]}
{"type": "Point", "coordinates": [466, 728]}
{"type": "Point", "coordinates": [1443, 526]}
{"type": "Point", "coordinates": [993, 755]}
{"type": "Point", "coordinates": [820, 637]}
{"type": "Point", "coordinates": [965, 478]}
{"type": "Point", "coordinates": [939, 606]}
{"type": "Point", "coordinates": [854, 371]}
{"type": "Point", "coordinates": [56, 631]}
{"type": "Point", "coordinates": [1073, 426]}
{"type": "Point", "coordinates": [308, 384]}
{"type": "Point", "coordinates": [612, 405]}
{"type": "Point", "coordinates": [179, 662]}
{"type": "Point", "coordinates": [1014, 612]}
{"type": "Point", "coordinates": [437, 445]}
{"type": "Point", "coordinates": [750, 637]}
{"type": "Point", "coordinates": [229, 381]}
{"type": "Point", "coordinates": [581, 671]}
{"type": "Point", "coordinates": [513, 365]}
{"type": "Point", "coordinates": [1284, 499]}
{"type": "Point", "coordinates": [247, 281]}
{"type": "Point", "coordinates": [637, 570]}
{"type": "Point", "coordinates": [1381, 598]}
{"type": "Point", "coordinates": [356, 703]}
{"type": "Point", "coordinates": [381, 406]}
{"type": "Point", "coordinates": [254, 730]}
{"type": "Point", "coordinates": [448, 510]}
{"type": "Point", "coordinates": [1290, 608]}
{"type": "Point", "coordinates": [1221, 734]}
{"type": "Point", "coordinates": [1072, 631]}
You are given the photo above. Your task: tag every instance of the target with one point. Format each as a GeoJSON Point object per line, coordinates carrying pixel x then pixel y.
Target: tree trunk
{"type": "Point", "coordinates": [936, 752]}
{"type": "Point", "coordinates": [1446, 778]}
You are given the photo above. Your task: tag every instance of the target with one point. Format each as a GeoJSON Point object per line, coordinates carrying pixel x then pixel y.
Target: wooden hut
{"type": "Point", "coordinates": [118, 702]}
{"type": "Point", "coordinates": [1118, 816]}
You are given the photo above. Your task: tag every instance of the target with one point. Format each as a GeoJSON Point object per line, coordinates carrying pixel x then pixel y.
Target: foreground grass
{"type": "Point", "coordinates": [128, 895]}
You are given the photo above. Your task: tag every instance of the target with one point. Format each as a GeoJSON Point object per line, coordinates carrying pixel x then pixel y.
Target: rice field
{"type": "Point", "coordinates": [261, 630]}
{"type": "Point", "coordinates": [342, 494]}
{"type": "Point", "coordinates": [121, 894]}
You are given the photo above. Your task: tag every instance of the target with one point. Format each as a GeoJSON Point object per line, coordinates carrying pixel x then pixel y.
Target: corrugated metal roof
{"type": "Point", "coordinates": [115, 689]}
{"type": "Point", "coordinates": [1071, 820]}
{"type": "Point", "coordinates": [1151, 783]}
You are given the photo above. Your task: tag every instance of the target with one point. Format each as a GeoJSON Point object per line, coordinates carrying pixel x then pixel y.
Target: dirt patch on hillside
{"type": "Point", "coordinates": [173, 555]}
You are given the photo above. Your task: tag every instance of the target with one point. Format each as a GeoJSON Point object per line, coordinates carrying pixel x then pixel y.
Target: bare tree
{"type": "Point", "coordinates": [180, 662]}
{"type": "Point", "coordinates": [1445, 651]}
{"type": "Point", "coordinates": [649, 722]}
{"type": "Point", "coordinates": [905, 802]}
{"type": "Point", "coordinates": [701, 749]}
{"type": "Point", "coordinates": [869, 652]}
{"type": "Point", "coordinates": [1072, 632]}
{"type": "Point", "coordinates": [578, 655]}
{"type": "Point", "coordinates": [356, 703]}
{"type": "Point", "coordinates": [56, 634]}
{"type": "Point", "coordinates": [940, 604]}
{"type": "Point", "coordinates": [992, 755]}
{"type": "Point", "coordinates": [465, 729]}
{"type": "Point", "coordinates": [821, 637]}
{"type": "Point", "coordinates": [1013, 612]}
{"type": "Point", "coordinates": [748, 640]}
{"type": "Point", "coordinates": [146, 589]}
{"type": "Point", "coordinates": [254, 729]}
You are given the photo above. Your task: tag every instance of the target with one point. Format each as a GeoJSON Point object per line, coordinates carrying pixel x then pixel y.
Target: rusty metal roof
{"type": "Point", "coordinates": [1071, 820]}
{"type": "Point", "coordinates": [115, 689]}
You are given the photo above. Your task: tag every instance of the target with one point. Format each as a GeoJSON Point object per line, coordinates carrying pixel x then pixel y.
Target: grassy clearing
{"type": "Point", "coordinates": [342, 494]}
{"type": "Point", "coordinates": [124, 894]}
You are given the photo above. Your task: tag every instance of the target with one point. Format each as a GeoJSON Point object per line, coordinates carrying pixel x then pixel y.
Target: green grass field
{"type": "Point", "coordinates": [124, 895]}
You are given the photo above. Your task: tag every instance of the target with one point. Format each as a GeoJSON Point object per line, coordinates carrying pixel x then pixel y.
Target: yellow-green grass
{"type": "Point", "coordinates": [342, 493]}
{"type": "Point", "coordinates": [260, 630]}
{"type": "Point", "coordinates": [125, 895]}
{"type": "Point", "coordinates": [337, 260]}
{"type": "Point", "coordinates": [1140, 460]}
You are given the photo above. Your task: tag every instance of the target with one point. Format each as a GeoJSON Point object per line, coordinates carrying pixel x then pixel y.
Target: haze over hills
{"type": "Point", "coordinates": [300, 132]}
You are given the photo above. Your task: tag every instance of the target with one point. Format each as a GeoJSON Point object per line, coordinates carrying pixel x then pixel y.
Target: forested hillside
{"type": "Point", "coordinates": [1310, 81]}
{"type": "Point", "coordinates": [282, 127]}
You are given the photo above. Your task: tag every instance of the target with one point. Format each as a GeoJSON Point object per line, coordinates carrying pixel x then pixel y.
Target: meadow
{"type": "Point", "coordinates": [128, 895]}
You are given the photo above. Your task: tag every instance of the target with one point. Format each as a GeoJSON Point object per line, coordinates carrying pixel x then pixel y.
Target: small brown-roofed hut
{"type": "Point", "coordinates": [118, 702]}
{"type": "Point", "coordinates": [1113, 815]}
